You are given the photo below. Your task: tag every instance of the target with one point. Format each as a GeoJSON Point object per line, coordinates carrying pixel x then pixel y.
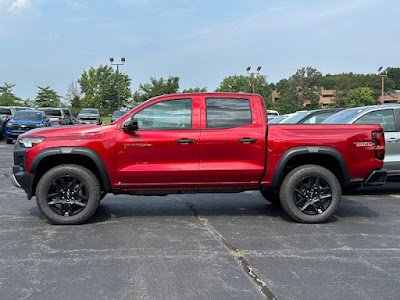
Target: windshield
{"type": "Point", "coordinates": [296, 117]}
{"type": "Point", "coordinates": [89, 111]}
{"type": "Point", "coordinates": [28, 116]}
{"type": "Point", "coordinates": [343, 116]}
{"type": "Point", "coordinates": [52, 112]}
{"type": "Point", "coordinates": [118, 113]}
{"type": "Point", "coordinates": [66, 111]}
{"type": "Point", "coordinates": [5, 111]}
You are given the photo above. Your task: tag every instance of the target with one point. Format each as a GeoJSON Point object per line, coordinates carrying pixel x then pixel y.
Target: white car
{"type": "Point", "coordinates": [386, 115]}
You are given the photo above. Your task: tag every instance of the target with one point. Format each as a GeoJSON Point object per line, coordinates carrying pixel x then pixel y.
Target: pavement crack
{"type": "Point", "coordinates": [236, 253]}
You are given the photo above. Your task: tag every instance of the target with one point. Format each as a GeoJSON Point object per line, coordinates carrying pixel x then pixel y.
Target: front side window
{"type": "Point", "coordinates": [384, 118]}
{"type": "Point", "coordinates": [169, 114]}
{"type": "Point", "coordinates": [228, 112]}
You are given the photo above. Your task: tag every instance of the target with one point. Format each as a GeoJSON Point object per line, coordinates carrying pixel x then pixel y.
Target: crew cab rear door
{"type": "Point", "coordinates": [233, 140]}
{"type": "Point", "coordinates": [164, 151]}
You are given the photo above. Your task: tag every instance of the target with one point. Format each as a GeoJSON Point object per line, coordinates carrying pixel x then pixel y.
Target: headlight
{"type": "Point", "coordinates": [29, 142]}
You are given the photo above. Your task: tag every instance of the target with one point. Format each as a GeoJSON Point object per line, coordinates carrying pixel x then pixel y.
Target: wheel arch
{"type": "Point", "coordinates": [326, 157]}
{"type": "Point", "coordinates": [86, 157]}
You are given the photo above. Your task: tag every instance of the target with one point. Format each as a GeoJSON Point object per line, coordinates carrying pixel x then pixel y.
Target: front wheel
{"type": "Point", "coordinates": [9, 141]}
{"type": "Point", "coordinates": [310, 194]}
{"type": "Point", "coordinates": [68, 194]}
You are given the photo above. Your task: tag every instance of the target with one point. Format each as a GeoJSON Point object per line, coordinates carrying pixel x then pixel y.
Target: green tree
{"type": "Point", "coordinates": [394, 74]}
{"type": "Point", "coordinates": [360, 97]}
{"type": "Point", "coordinates": [7, 98]}
{"type": "Point", "coordinates": [195, 90]}
{"type": "Point", "coordinates": [46, 97]}
{"type": "Point", "coordinates": [242, 83]}
{"type": "Point", "coordinates": [156, 87]}
{"type": "Point", "coordinates": [100, 89]}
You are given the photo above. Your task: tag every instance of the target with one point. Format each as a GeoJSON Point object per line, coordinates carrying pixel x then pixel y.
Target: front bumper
{"type": "Point", "coordinates": [20, 177]}
{"type": "Point", "coordinates": [377, 177]}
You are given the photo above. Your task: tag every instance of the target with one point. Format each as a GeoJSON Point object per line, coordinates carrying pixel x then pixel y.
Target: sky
{"type": "Point", "coordinates": [51, 42]}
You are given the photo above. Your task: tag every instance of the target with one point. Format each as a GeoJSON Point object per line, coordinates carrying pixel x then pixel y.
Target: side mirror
{"type": "Point", "coordinates": [130, 125]}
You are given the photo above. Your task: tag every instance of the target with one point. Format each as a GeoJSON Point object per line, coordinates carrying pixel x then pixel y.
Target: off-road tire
{"type": "Point", "coordinates": [67, 180]}
{"type": "Point", "coordinates": [310, 194]}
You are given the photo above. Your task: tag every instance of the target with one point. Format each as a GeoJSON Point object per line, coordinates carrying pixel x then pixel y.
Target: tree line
{"type": "Point", "coordinates": [98, 87]}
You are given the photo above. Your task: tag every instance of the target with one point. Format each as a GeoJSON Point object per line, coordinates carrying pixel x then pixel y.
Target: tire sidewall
{"type": "Point", "coordinates": [85, 176]}
{"type": "Point", "coordinates": [292, 180]}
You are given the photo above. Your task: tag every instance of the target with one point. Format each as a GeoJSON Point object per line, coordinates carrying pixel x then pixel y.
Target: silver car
{"type": "Point", "coordinates": [388, 116]}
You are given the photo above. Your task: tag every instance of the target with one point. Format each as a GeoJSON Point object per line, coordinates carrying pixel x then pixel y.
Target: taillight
{"type": "Point", "coordinates": [59, 121]}
{"type": "Point", "coordinates": [379, 138]}
{"type": "Point", "coordinates": [7, 118]}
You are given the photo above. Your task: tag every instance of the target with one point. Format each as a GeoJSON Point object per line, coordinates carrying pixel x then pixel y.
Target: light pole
{"type": "Point", "coordinates": [252, 76]}
{"type": "Point", "coordinates": [383, 79]}
{"type": "Point", "coordinates": [118, 64]}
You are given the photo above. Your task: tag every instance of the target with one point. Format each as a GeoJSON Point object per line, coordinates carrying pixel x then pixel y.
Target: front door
{"type": "Point", "coordinates": [164, 151]}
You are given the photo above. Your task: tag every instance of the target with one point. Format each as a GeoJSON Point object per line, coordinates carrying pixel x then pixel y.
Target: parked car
{"type": "Point", "coordinates": [6, 114]}
{"type": "Point", "coordinates": [280, 119]}
{"type": "Point", "coordinates": [316, 116]}
{"type": "Point", "coordinates": [89, 116]}
{"type": "Point", "coordinates": [197, 142]}
{"type": "Point", "coordinates": [388, 116]}
{"type": "Point", "coordinates": [272, 114]}
{"type": "Point", "coordinates": [70, 116]}
{"type": "Point", "coordinates": [56, 115]}
{"type": "Point", "coordinates": [23, 121]}
{"type": "Point", "coordinates": [117, 114]}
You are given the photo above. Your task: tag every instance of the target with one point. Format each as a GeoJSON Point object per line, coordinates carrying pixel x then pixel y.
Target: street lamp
{"type": "Point", "coordinates": [383, 78]}
{"type": "Point", "coordinates": [252, 76]}
{"type": "Point", "coordinates": [118, 64]}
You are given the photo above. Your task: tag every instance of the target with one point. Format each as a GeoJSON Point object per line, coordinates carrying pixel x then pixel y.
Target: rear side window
{"type": "Point", "coordinates": [227, 112]}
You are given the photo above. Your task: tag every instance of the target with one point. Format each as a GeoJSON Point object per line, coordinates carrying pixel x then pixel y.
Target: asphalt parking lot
{"type": "Point", "coordinates": [204, 246]}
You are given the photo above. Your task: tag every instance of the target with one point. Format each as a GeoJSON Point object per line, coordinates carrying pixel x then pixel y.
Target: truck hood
{"type": "Point", "coordinates": [67, 132]}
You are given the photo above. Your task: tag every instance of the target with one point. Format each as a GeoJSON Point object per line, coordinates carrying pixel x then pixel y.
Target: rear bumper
{"type": "Point", "coordinates": [377, 177]}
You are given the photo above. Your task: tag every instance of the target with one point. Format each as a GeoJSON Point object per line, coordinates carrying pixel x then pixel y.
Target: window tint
{"type": "Point", "coordinates": [170, 114]}
{"type": "Point", "coordinates": [381, 117]}
{"type": "Point", "coordinates": [227, 112]}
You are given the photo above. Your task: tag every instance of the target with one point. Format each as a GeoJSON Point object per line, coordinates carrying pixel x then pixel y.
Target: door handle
{"type": "Point", "coordinates": [185, 141]}
{"type": "Point", "coordinates": [393, 140]}
{"type": "Point", "coordinates": [247, 140]}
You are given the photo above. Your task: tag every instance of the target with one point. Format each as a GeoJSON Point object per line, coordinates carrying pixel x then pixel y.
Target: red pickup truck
{"type": "Point", "coordinates": [192, 143]}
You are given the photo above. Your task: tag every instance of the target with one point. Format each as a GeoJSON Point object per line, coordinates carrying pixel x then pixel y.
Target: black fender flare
{"type": "Point", "coordinates": [293, 152]}
{"type": "Point", "coordinates": [89, 153]}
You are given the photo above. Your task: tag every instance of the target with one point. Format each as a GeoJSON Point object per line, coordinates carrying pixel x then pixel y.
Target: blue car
{"type": "Point", "coordinates": [23, 121]}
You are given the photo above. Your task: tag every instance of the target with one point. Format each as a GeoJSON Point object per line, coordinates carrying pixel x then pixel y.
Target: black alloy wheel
{"type": "Point", "coordinates": [68, 194]}
{"type": "Point", "coordinates": [310, 194]}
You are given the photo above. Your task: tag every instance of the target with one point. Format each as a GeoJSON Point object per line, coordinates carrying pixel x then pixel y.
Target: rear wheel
{"type": "Point", "coordinates": [310, 194]}
{"type": "Point", "coordinates": [68, 194]}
